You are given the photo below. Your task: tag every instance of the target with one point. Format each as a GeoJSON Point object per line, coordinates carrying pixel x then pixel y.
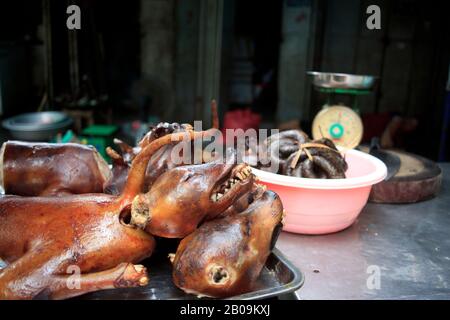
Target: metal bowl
{"type": "Point", "coordinates": [342, 80]}
{"type": "Point", "coordinates": [37, 126]}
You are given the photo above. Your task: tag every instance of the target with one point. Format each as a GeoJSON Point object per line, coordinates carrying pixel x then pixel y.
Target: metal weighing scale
{"type": "Point", "coordinates": [341, 124]}
{"type": "Point", "coordinates": [410, 178]}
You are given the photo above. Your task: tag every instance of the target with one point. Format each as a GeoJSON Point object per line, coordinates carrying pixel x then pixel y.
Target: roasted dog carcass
{"type": "Point", "coordinates": [224, 257]}
{"type": "Point", "coordinates": [51, 169]}
{"type": "Point", "coordinates": [44, 239]}
{"type": "Point", "coordinates": [60, 247]}
{"type": "Point", "coordinates": [183, 197]}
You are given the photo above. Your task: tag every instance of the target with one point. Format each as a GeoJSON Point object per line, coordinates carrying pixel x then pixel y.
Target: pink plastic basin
{"type": "Point", "coordinates": [319, 206]}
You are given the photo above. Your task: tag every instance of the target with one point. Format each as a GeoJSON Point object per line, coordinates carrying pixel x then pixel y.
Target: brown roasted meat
{"type": "Point", "coordinates": [49, 242]}
{"type": "Point", "coordinates": [43, 240]}
{"type": "Point", "coordinates": [224, 257]}
{"type": "Point", "coordinates": [160, 162]}
{"type": "Point", "coordinates": [119, 172]}
{"type": "Point", "coordinates": [51, 169]}
{"type": "Point", "coordinates": [183, 197]}
{"type": "Point", "coordinates": [60, 247]}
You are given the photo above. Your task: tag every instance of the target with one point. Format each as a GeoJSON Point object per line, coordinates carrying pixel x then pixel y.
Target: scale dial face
{"type": "Point", "coordinates": [340, 124]}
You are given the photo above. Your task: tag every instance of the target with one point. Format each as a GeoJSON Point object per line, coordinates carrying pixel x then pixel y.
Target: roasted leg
{"type": "Point", "coordinates": [125, 275]}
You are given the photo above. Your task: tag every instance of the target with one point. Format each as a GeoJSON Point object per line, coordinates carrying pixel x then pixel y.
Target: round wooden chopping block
{"type": "Point", "coordinates": [416, 180]}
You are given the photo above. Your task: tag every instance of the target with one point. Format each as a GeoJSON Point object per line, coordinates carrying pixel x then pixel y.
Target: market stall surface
{"type": "Point", "coordinates": [391, 252]}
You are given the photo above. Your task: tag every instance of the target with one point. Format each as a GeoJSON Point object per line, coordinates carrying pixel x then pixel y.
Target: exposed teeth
{"type": "Point", "coordinates": [240, 176]}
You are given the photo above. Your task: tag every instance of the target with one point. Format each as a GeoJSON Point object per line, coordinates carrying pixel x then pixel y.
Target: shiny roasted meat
{"type": "Point", "coordinates": [224, 257]}
{"type": "Point", "coordinates": [160, 162]}
{"type": "Point", "coordinates": [51, 169]}
{"type": "Point", "coordinates": [43, 240]}
{"type": "Point", "coordinates": [60, 247]}
{"type": "Point", "coordinates": [183, 197]}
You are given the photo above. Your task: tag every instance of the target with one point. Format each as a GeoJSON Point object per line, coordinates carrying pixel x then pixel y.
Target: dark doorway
{"type": "Point", "coordinates": [252, 78]}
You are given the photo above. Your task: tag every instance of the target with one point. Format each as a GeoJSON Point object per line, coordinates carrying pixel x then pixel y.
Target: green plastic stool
{"type": "Point", "coordinates": [101, 137]}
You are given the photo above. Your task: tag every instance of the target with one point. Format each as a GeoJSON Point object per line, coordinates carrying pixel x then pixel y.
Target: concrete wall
{"type": "Point", "coordinates": [186, 58]}
{"type": "Point", "coordinates": [295, 60]}
{"type": "Point", "coordinates": [157, 20]}
{"type": "Point", "coordinates": [180, 56]}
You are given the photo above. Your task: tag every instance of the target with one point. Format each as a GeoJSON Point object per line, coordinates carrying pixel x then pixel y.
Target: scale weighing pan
{"type": "Point", "coordinates": [342, 80]}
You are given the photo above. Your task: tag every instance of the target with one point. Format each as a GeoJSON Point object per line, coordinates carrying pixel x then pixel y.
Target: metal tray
{"type": "Point", "coordinates": [279, 277]}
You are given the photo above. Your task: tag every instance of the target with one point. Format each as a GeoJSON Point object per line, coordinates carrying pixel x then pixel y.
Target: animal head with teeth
{"type": "Point", "coordinates": [182, 197]}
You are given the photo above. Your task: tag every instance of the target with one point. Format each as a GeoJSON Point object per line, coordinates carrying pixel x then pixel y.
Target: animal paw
{"type": "Point", "coordinates": [132, 276]}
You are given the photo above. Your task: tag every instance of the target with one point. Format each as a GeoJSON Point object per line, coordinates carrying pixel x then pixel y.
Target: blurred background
{"type": "Point", "coordinates": [138, 62]}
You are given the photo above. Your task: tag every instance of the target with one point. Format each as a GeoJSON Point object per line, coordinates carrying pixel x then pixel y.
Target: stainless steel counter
{"type": "Point", "coordinates": [391, 252]}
